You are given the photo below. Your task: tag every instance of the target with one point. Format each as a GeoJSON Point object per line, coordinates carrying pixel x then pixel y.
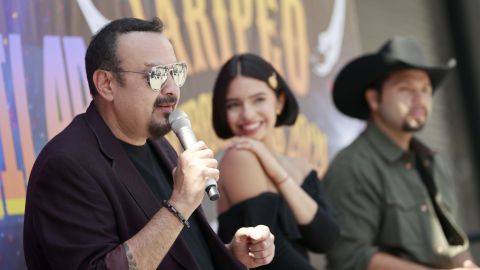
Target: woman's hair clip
{"type": "Point", "coordinates": [272, 81]}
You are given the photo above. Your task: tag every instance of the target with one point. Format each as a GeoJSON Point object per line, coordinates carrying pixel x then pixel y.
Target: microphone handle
{"type": "Point", "coordinates": [187, 139]}
{"type": "Point", "coordinates": [186, 136]}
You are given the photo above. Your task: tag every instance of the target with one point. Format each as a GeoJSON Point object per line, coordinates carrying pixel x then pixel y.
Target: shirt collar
{"type": "Point", "coordinates": [389, 150]}
{"type": "Point", "coordinates": [382, 144]}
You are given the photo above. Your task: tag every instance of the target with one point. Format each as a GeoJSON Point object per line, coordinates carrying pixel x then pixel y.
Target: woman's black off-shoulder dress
{"type": "Point", "coordinates": [292, 241]}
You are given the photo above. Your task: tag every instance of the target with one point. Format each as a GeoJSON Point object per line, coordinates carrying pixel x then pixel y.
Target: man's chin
{"type": "Point", "coordinates": [158, 130]}
{"type": "Point", "coordinates": [413, 125]}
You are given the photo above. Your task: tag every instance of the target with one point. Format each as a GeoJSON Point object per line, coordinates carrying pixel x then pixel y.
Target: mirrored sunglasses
{"type": "Point", "coordinates": [158, 75]}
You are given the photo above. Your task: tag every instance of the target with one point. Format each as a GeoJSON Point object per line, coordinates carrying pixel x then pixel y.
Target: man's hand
{"type": "Point", "coordinates": [253, 246]}
{"type": "Point", "coordinates": [195, 165]}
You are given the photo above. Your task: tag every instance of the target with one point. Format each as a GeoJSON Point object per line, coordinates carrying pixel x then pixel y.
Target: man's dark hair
{"type": "Point", "coordinates": [101, 52]}
{"type": "Point", "coordinates": [253, 66]}
{"type": "Point", "coordinates": [376, 85]}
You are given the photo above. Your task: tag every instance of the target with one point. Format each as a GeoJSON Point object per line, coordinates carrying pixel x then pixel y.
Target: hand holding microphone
{"type": "Point", "coordinates": [183, 129]}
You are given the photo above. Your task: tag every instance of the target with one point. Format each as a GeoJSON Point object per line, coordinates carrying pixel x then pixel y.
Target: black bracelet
{"type": "Point", "coordinates": [175, 212]}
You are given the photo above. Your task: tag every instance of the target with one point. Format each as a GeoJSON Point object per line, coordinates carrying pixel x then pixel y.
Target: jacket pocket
{"type": "Point", "coordinates": [403, 221]}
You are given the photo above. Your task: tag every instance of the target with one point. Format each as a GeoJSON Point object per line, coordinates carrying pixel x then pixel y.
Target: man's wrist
{"type": "Point", "coordinates": [132, 263]}
{"type": "Point", "coordinates": [182, 205]}
{"type": "Point", "coordinates": [176, 213]}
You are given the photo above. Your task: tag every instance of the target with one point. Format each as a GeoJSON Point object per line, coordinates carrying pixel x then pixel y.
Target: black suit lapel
{"type": "Point", "coordinates": [132, 180]}
{"type": "Point", "coordinates": [124, 169]}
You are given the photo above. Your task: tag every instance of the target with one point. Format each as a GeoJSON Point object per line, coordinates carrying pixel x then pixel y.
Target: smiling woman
{"type": "Point", "coordinates": [259, 184]}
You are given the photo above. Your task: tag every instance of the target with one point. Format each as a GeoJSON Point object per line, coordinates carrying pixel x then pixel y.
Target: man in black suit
{"type": "Point", "coordinates": [96, 191]}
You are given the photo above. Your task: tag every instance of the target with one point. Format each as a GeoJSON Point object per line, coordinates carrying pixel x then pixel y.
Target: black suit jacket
{"type": "Point", "coordinates": [85, 198]}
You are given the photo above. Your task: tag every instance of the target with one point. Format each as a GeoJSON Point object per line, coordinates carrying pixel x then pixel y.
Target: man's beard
{"type": "Point", "coordinates": [158, 129]}
{"type": "Point", "coordinates": [412, 125]}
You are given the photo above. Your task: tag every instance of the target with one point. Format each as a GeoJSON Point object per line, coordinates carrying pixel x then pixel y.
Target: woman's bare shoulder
{"type": "Point", "coordinates": [242, 176]}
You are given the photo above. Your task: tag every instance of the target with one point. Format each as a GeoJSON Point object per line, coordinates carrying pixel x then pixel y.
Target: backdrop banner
{"type": "Point", "coordinates": [43, 82]}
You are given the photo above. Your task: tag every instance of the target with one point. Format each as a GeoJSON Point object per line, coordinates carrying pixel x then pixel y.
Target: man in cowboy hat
{"type": "Point", "coordinates": [393, 201]}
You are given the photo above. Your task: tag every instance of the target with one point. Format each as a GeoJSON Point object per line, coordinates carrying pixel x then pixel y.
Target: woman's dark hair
{"type": "Point", "coordinates": [101, 52]}
{"type": "Point", "coordinates": [249, 65]}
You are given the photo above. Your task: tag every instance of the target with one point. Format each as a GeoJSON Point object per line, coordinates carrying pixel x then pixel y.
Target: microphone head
{"type": "Point", "coordinates": [178, 119]}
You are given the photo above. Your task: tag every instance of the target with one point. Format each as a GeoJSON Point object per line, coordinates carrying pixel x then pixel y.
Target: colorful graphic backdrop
{"type": "Point", "coordinates": [43, 84]}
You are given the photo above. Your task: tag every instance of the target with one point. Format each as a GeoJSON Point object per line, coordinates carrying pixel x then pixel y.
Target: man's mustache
{"type": "Point", "coordinates": [168, 100]}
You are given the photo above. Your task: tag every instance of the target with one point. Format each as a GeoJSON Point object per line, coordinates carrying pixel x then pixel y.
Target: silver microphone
{"type": "Point", "coordinates": [182, 127]}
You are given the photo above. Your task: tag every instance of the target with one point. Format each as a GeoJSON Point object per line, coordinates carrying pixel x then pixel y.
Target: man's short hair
{"type": "Point", "coordinates": [101, 52]}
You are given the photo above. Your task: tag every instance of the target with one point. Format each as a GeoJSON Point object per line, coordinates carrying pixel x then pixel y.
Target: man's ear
{"type": "Point", "coordinates": [102, 80]}
{"type": "Point", "coordinates": [373, 99]}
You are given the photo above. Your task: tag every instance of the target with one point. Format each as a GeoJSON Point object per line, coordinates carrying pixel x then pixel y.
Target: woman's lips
{"type": "Point", "coordinates": [249, 129]}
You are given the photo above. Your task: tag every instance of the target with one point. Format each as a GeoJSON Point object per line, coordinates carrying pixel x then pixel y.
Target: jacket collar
{"type": "Point", "coordinates": [382, 144]}
{"type": "Point", "coordinates": [389, 150]}
{"type": "Point", "coordinates": [120, 163]}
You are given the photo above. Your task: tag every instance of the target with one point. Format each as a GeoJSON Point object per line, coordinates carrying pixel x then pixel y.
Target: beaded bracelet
{"type": "Point", "coordinates": [176, 213]}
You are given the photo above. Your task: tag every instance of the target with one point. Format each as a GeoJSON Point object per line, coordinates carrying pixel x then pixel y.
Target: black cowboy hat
{"type": "Point", "coordinates": [396, 54]}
